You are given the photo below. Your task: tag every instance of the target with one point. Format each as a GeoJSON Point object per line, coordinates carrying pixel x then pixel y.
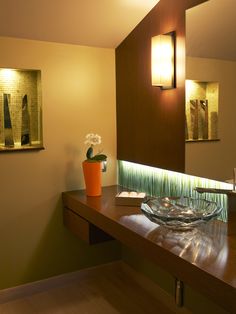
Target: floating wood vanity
{"type": "Point", "coordinates": [204, 258]}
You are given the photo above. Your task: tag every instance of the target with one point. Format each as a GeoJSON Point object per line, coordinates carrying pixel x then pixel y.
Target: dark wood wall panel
{"type": "Point", "coordinates": [150, 121]}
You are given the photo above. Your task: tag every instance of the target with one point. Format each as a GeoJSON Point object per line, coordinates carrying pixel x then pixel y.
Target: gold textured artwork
{"type": "Point", "coordinates": [20, 110]}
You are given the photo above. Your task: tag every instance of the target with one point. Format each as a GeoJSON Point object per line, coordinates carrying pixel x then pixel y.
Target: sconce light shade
{"type": "Point", "coordinates": [163, 61]}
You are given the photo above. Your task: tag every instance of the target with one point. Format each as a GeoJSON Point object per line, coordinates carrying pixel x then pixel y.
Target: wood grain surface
{"type": "Point", "coordinates": [151, 121]}
{"type": "Point", "coordinates": [204, 258]}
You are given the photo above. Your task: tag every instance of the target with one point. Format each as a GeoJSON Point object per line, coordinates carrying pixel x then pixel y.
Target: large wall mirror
{"type": "Point", "coordinates": [211, 69]}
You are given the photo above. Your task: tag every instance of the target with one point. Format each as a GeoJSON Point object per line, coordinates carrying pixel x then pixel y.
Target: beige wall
{"type": "Point", "coordinates": [215, 159]}
{"type": "Point", "coordinates": [78, 97]}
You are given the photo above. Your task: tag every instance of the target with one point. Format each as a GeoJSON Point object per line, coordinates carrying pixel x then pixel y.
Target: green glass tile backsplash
{"type": "Point", "coordinates": [159, 182]}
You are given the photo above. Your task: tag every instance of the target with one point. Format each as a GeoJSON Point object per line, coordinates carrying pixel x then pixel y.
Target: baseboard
{"type": "Point", "coordinates": [140, 279]}
{"type": "Point", "coordinates": [22, 291]}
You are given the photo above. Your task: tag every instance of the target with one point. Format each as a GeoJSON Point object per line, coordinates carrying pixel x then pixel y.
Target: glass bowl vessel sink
{"type": "Point", "coordinates": [180, 213]}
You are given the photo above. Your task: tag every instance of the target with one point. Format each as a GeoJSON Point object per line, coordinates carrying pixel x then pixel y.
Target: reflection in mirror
{"type": "Point", "coordinates": [201, 110]}
{"type": "Point", "coordinates": [211, 58]}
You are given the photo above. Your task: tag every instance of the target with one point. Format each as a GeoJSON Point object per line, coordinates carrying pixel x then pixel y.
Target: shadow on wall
{"type": "Point", "coordinates": [60, 252]}
{"type": "Point", "coordinates": [73, 179]}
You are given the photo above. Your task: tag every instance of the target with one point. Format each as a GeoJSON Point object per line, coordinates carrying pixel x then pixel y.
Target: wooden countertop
{"type": "Point", "coordinates": [204, 258]}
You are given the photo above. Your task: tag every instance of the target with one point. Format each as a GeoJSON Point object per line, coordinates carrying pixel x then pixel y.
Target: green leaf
{"type": "Point", "coordinates": [99, 157]}
{"type": "Point", "coordinates": [89, 153]}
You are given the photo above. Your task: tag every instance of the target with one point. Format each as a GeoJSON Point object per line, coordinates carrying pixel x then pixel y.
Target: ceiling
{"type": "Point", "coordinates": [100, 23]}
{"type": "Point", "coordinates": [211, 30]}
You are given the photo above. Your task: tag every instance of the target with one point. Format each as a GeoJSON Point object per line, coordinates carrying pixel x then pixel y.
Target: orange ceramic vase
{"type": "Point", "coordinates": [93, 178]}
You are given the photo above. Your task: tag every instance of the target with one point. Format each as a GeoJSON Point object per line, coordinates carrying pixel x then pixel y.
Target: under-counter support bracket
{"type": "Point", "coordinates": [179, 289]}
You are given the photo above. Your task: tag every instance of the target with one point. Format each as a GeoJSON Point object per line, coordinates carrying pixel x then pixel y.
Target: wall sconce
{"type": "Point", "coordinates": [163, 61]}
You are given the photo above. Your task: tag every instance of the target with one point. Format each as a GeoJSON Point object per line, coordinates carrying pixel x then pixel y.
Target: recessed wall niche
{"type": "Point", "coordinates": [202, 100]}
{"type": "Point", "coordinates": [20, 110]}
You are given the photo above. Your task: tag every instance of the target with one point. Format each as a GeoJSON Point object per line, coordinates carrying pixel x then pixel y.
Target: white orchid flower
{"type": "Point", "coordinates": [93, 139]}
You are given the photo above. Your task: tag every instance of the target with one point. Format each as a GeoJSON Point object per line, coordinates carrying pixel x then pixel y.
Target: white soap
{"type": "Point", "coordinates": [124, 194]}
{"type": "Point", "coordinates": [141, 194]}
{"type": "Point", "coordinates": [133, 194]}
